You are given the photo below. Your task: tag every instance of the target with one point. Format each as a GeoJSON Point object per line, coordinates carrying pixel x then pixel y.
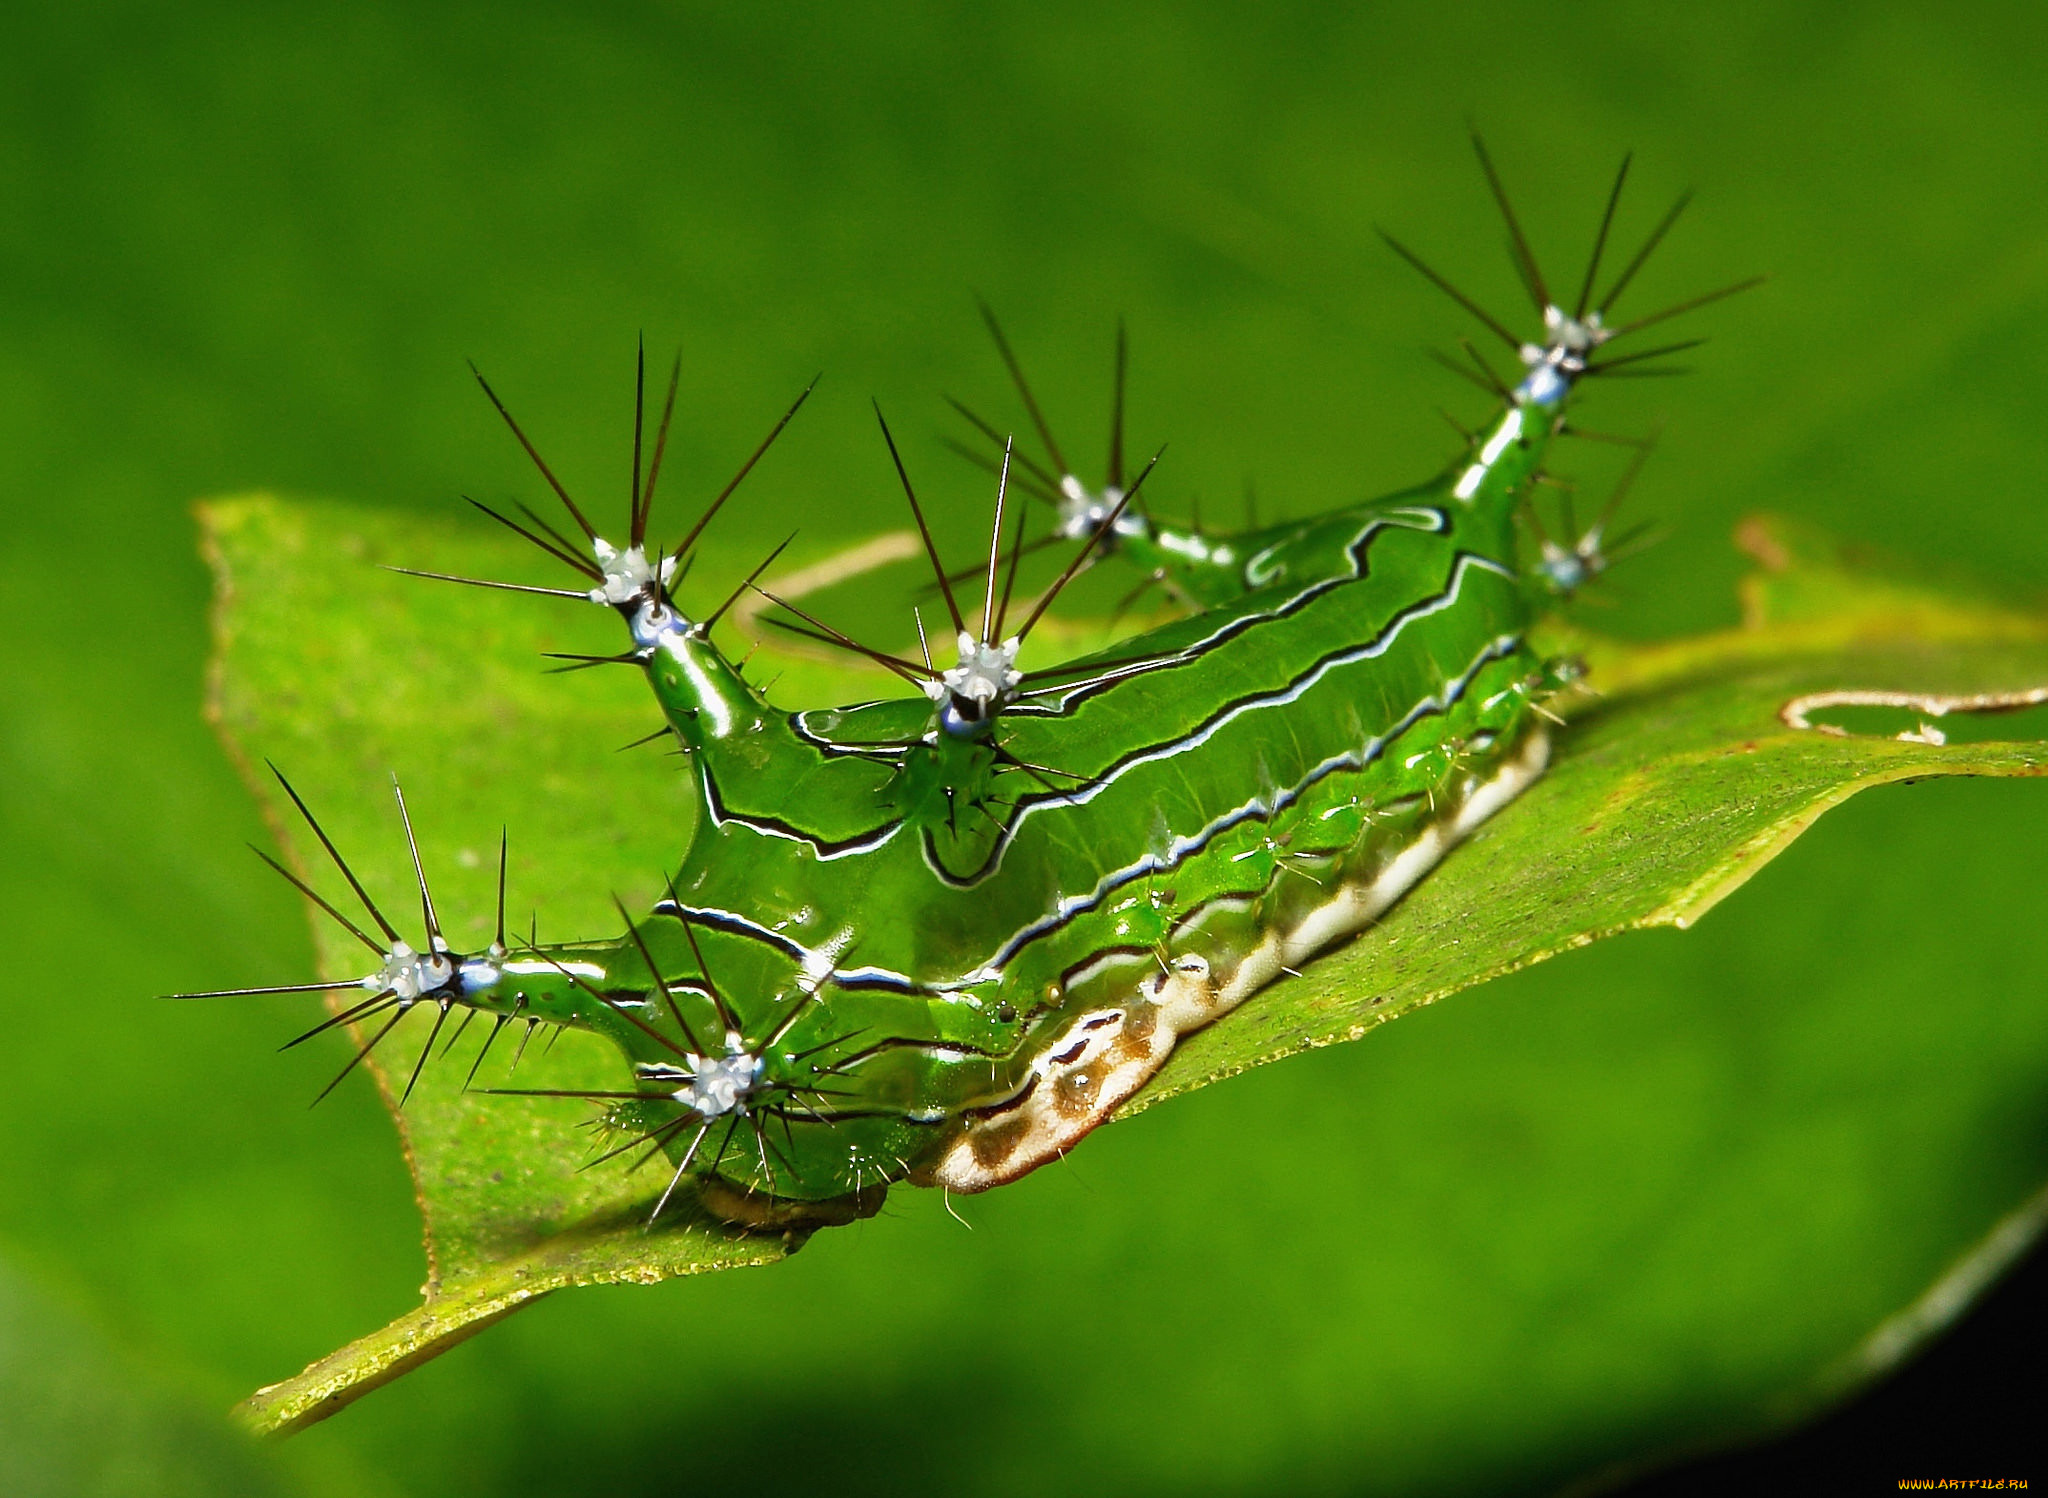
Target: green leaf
{"type": "Point", "coordinates": [1681, 774]}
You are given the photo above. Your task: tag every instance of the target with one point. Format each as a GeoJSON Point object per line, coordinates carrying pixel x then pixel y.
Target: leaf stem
{"type": "Point", "coordinates": [344, 1376]}
{"type": "Point", "coordinates": [596, 1253]}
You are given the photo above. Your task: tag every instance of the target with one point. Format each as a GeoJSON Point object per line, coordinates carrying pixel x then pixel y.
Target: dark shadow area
{"type": "Point", "coordinates": [1972, 1406]}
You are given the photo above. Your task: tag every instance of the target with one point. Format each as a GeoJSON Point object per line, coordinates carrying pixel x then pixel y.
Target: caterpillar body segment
{"type": "Point", "coordinates": [891, 951]}
{"type": "Point", "coordinates": [948, 950]}
{"type": "Point", "coordinates": [941, 937]}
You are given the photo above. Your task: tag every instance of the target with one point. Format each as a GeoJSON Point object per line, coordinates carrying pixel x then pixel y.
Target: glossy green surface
{"type": "Point", "coordinates": [889, 926]}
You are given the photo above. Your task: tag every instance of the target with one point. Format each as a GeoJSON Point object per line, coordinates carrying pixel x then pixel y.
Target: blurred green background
{"type": "Point", "coordinates": [248, 247]}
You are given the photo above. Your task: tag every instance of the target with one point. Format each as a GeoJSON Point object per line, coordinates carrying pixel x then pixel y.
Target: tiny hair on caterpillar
{"type": "Point", "coordinates": [940, 937]}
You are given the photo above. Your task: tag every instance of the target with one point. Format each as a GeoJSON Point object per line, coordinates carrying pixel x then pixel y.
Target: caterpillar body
{"type": "Point", "coordinates": [940, 938]}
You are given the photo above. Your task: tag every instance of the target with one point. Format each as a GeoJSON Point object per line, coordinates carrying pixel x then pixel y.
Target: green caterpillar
{"type": "Point", "coordinates": [942, 937]}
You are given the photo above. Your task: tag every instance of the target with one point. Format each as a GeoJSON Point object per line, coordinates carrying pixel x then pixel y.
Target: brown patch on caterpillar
{"type": "Point", "coordinates": [1096, 1063]}
{"type": "Point", "coordinates": [994, 1138]}
{"type": "Point", "coordinates": [1091, 1069]}
{"type": "Point", "coordinates": [1134, 1039]}
{"type": "Point", "coordinates": [1074, 1092]}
